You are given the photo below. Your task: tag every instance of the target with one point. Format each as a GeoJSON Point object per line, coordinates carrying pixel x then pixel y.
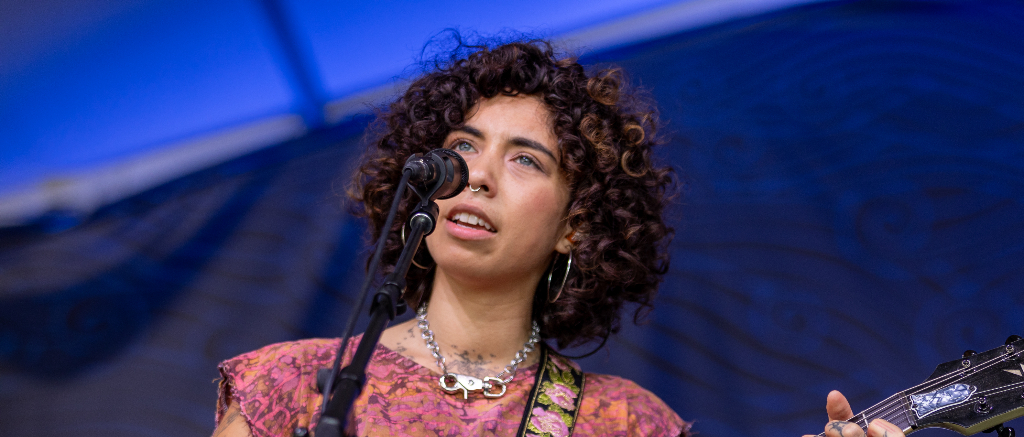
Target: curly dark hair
{"type": "Point", "coordinates": [605, 136]}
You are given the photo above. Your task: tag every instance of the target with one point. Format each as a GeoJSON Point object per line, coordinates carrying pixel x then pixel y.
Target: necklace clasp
{"type": "Point", "coordinates": [453, 382]}
{"type": "Point", "coordinates": [489, 386]}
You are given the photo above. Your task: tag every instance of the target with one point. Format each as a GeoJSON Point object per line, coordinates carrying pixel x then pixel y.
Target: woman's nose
{"type": "Point", "coordinates": [481, 174]}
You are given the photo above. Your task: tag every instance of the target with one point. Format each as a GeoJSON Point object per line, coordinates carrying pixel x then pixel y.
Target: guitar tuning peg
{"type": "Point", "coordinates": [1012, 339]}
{"type": "Point", "coordinates": [968, 353]}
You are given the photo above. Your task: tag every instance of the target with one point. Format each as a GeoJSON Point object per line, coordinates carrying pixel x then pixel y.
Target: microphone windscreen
{"type": "Point", "coordinates": [458, 178]}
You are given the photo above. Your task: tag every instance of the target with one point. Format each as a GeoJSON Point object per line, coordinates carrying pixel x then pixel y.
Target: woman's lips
{"type": "Point", "coordinates": [469, 222]}
{"type": "Point", "coordinates": [466, 232]}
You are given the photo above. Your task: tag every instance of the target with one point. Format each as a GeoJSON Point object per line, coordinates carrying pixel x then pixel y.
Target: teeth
{"type": "Point", "coordinates": [471, 219]}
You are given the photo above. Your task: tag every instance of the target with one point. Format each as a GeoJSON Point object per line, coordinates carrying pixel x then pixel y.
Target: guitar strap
{"type": "Point", "coordinates": [554, 402]}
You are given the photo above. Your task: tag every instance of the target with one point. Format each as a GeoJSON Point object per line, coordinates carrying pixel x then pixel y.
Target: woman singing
{"type": "Point", "coordinates": [560, 226]}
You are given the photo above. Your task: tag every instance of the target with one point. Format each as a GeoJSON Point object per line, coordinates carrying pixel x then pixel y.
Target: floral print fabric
{"type": "Point", "coordinates": [276, 389]}
{"type": "Point", "coordinates": [557, 398]}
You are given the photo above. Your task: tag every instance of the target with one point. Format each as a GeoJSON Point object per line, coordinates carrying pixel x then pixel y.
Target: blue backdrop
{"type": "Point", "coordinates": [852, 216]}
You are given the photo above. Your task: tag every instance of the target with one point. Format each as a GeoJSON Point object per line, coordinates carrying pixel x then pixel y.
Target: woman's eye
{"type": "Point", "coordinates": [462, 146]}
{"type": "Point", "coordinates": [526, 160]}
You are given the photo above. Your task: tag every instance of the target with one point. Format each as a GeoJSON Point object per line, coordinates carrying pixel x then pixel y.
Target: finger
{"type": "Point", "coordinates": [837, 406]}
{"type": "Point", "coordinates": [840, 428]}
{"type": "Point", "coordinates": [881, 428]}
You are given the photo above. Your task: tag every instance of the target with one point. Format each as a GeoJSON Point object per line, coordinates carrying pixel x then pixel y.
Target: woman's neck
{"type": "Point", "coordinates": [477, 330]}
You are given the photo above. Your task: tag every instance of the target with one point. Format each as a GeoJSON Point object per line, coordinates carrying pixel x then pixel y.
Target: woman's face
{"type": "Point", "coordinates": [509, 228]}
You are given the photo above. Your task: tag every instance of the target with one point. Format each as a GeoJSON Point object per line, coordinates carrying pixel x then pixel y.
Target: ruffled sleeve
{"type": "Point", "coordinates": [275, 386]}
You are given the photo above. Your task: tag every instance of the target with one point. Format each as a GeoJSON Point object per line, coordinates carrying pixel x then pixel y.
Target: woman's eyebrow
{"type": "Point", "coordinates": [470, 130]}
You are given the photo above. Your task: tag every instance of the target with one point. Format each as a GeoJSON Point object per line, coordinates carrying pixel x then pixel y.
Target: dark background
{"type": "Point", "coordinates": [851, 217]}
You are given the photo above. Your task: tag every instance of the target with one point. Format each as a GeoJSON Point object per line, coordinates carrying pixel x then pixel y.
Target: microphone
{"type": "Point", "coordinates": [441, 170]}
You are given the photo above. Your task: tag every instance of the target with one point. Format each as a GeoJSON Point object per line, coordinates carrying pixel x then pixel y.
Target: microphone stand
{"type": "Point", "coordinates": [387, 304]}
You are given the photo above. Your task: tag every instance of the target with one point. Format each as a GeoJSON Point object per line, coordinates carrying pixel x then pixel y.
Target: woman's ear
{"type": "Point", "coordinates": [565, 243]}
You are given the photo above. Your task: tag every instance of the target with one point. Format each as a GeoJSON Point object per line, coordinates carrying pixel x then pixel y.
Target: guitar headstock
{"type": "Point", "coordinates": [972, 394]}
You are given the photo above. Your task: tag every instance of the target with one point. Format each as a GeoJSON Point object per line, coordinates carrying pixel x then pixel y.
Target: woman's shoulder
{"type": "Point", "coordinates": [273, 385]}
{"type": "Point", "coordinates": [278, 367]}
{"type": "Point", "coordinates": [614, 403]}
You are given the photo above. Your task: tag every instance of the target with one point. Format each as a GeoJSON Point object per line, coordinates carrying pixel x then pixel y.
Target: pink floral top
{"type": "Point", "coordinates": [276, 389]}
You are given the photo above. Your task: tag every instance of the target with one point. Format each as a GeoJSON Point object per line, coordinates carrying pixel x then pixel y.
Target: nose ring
{"type": "Point", "coordinates": [475, 189]}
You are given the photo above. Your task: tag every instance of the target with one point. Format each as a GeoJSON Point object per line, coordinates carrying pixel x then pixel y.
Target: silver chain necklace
{"type": "Point", "coordinates": [453, 382]}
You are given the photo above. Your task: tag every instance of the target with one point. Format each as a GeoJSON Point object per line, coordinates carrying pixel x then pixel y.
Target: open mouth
{"type": "Point", "coordinates": [471, 221]}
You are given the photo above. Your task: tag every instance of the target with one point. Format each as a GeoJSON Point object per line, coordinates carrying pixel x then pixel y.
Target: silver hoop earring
{"type": "Point", "coordinates": [568, 265]}
{"type": "Point", "coordinates": [475, 189]}
{"type": "Point", "coordinates": [413, 255]}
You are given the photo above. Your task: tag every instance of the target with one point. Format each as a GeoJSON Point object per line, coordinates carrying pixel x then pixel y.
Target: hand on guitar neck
{"type": "Point", "coordinates": [839, 412]}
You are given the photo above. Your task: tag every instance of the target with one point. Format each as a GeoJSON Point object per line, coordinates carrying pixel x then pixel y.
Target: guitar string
{"type": "Point", "coordinates": [892, 410]}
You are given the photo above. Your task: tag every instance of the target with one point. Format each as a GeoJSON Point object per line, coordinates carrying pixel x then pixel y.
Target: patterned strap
{"type": "Point", "coordinates": [555, 400]}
